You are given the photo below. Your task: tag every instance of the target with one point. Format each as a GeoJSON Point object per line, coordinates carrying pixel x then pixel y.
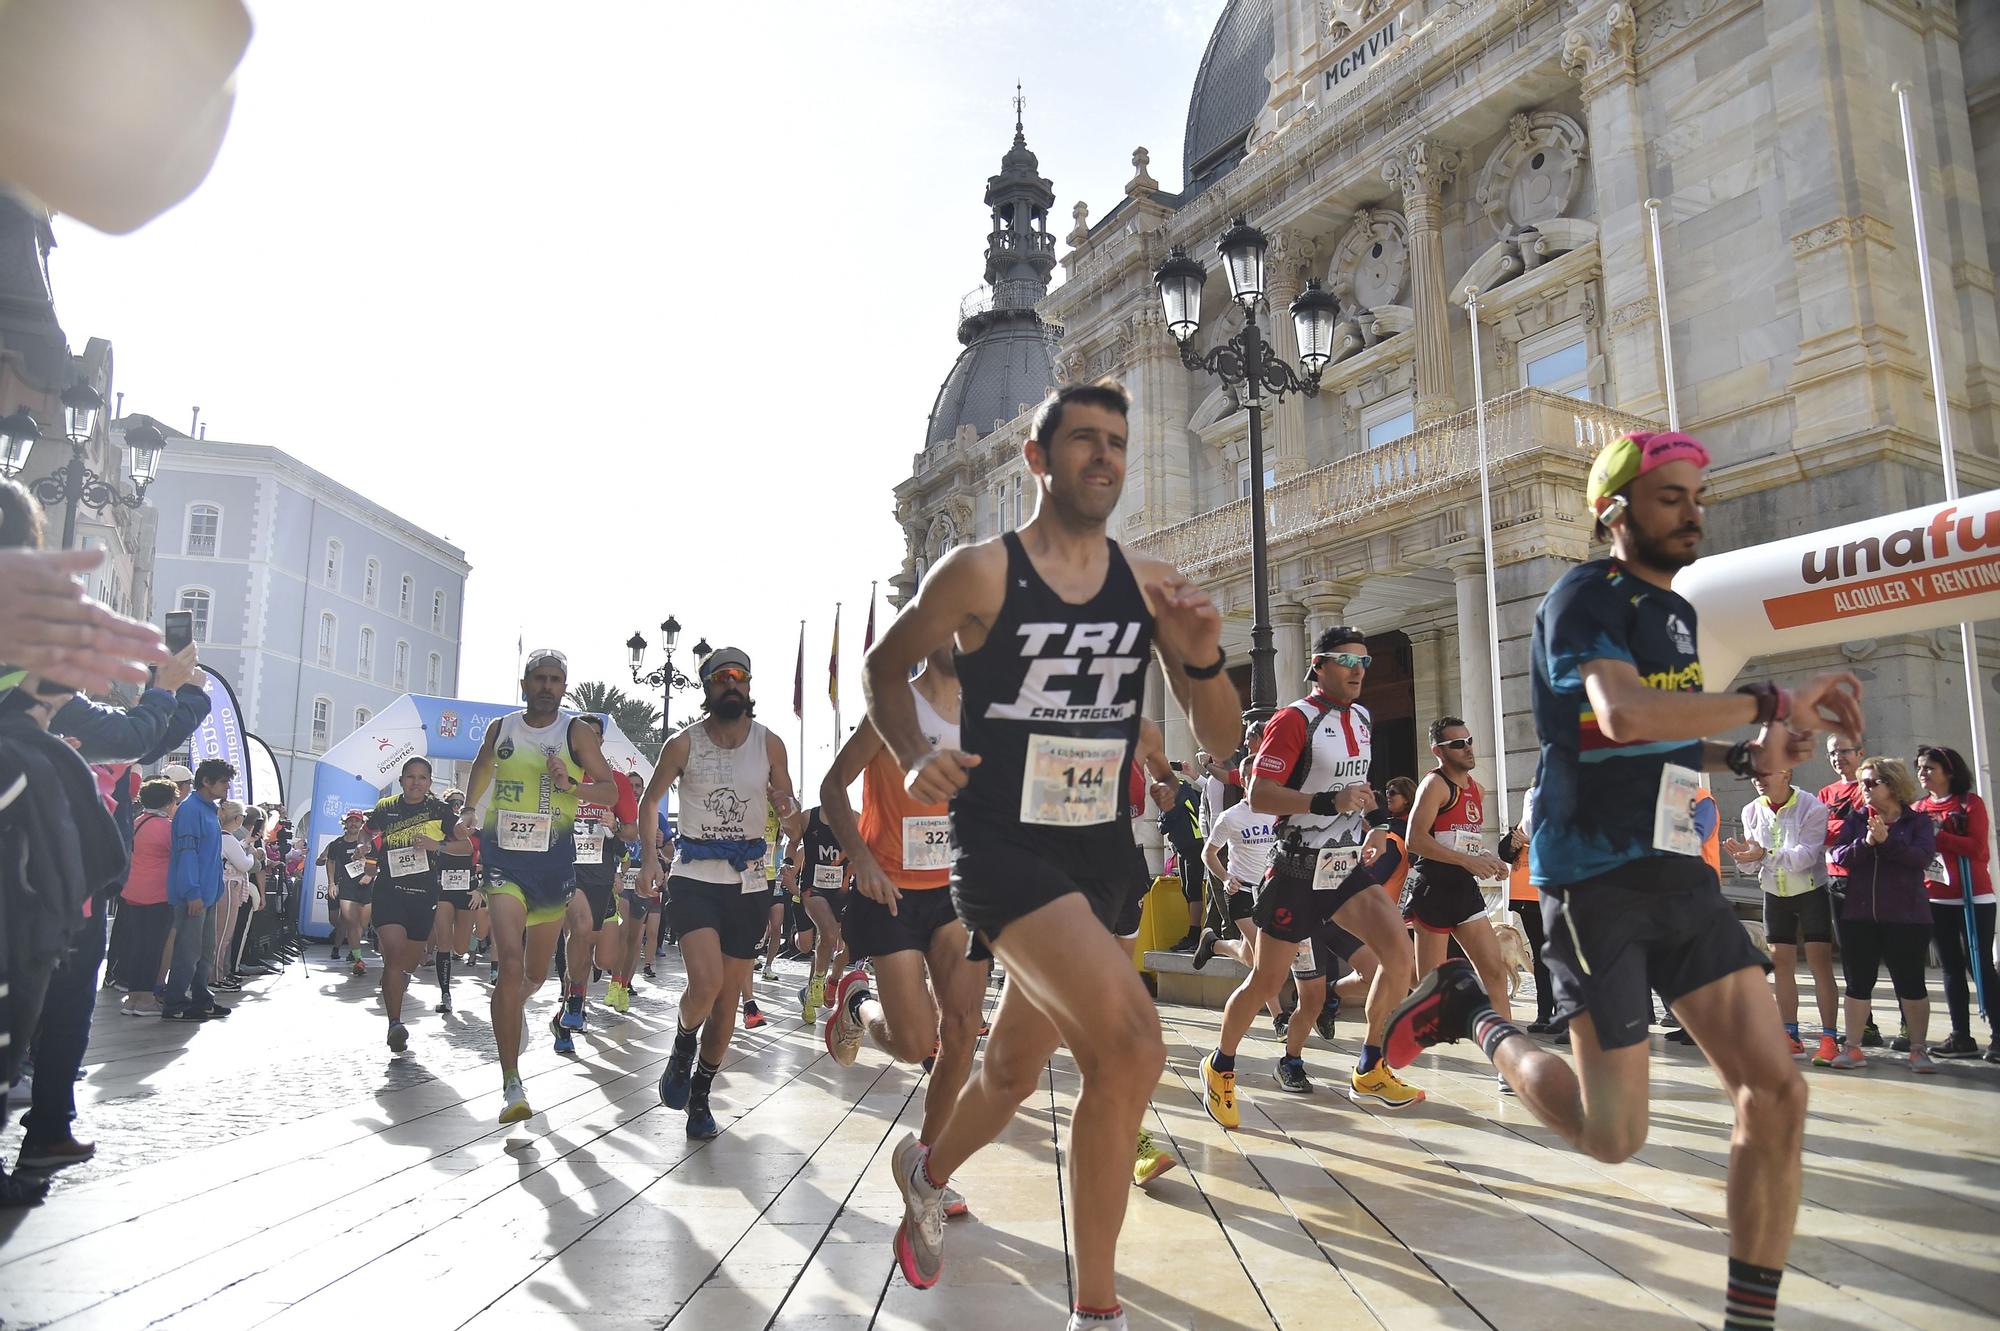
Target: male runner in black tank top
{"type": "Point", "coordinates": [1053, 627]}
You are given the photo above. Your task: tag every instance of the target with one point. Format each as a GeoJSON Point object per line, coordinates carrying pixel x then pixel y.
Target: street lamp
{"type": "Point", "coordinates": [77, 484]}
{"type": "Point", "coordinates": [666, 679]}
{"type": "Point", "coordinates": [1250, 366]}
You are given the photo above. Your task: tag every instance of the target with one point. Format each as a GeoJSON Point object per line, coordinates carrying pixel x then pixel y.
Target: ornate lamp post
{"type": "Point", "coordinates": [666, 679]}
{"type": "Point", "coordinates": [1251, 368]}
{"type": "Point", "coordinates": [77, 484]}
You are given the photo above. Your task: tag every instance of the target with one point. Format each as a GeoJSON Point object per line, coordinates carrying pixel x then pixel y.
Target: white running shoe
{"type": "Point", "coordinates": [920, 1238]}
{"type": "Point", "coordinates": [516, 1108]}
{"type": "Point", "coordinates": [843, 1028]}
{"type": "Point", "coordinates": [1079, 1322]}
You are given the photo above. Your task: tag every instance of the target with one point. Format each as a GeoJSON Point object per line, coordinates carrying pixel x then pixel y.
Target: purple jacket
{"type": "Point", "coordinates": [1885, 883]}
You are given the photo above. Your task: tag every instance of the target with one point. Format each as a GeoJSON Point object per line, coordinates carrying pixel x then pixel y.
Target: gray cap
{"type": "Point", "coordinates": [721, 657]}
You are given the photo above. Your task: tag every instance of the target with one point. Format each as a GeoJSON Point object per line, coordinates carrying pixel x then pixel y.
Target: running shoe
{"type": "Point", "coordinates": [1292, 1076]}
{"type": "Point", "coordinates": [701, 1124]}
{"type": "Point", "coordinates": [1956, 1045]}
{"type": "Point", "coordinates": [444, 1001]}
{"type": "Point", "coordinates": [1829, 1049]}
{"type": "Point", "coordinates": [1221, 1093]}
{"type": "Point", "coordinates": [1382, 1087]}
{"type": "Point", "coordinates": [516, 1108]}
{"type": "Point", "coordinates": [810, 999]}
{"type": "Point", "coordinates": [358, 967]}
{"type": "Point", "coordinates": [770, 967]}
{"type": "Point", "coordinates": [493, 973]}
{"type": "Point", "coordinates": [677, 1080]}
{"type": "Point", "coordinates": [1871, 1035]}
{"type": "Point", "coordinates": [1436, 1013]}
{"type": "Point", "coordinates": [1281, 1023]}
{"type": "Point", "coordinates": [1204, 951]}
{"type": "Point", "coordinates": [1920, 1062]}
{"type": "Point", "coordinates": [1848, 1058]}
{"type": "Point", "coordinates": [1151, 1162]}
{"type": "Point", "coordinates": [920, 1237]}
{"type": "Point", "coordinates": [1992, 1054]}
{"type": "Point", "coordinates": [1501, 1085]}
{"type": "Point", "coordinates": [572, 1013]}
{"type": "Point", "coordinates": [1798, 1047]}
{"type": "Point", "coordinates": [1080, 1321]}
{"type": "Point", "coordinates": [564, 1044]}
{"type": "Point", "coordinates": [648, 972]}
{"type": "Point", "coordinates": [753, 1017]}
{"type": "Point", "coordinates": [617, 997]}
{"type": "Point", "coordinates": [1328, 1016]}
{"type": "Point", "coordinates": [955, 1205]}
{"type": "Point", "coordinates": [399, 1037]}
{"type": "Point", "coordinates": [843, 1028]}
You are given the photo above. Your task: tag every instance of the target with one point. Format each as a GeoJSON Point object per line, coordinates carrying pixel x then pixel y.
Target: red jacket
{"type": "Point", "coordinates": [1963, 837]}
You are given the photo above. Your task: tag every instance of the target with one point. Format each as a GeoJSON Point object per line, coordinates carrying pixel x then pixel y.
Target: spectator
{"type": "Point", "coordinates": [182, 778]}
{"type": "Point", "coordinates": [1843, 800]}
{"type": "Point", "coordinates": [1784, 844]}
{"type": "Point", "coordinates": [194, 887]}
{"type": "Point", "coordinates": [1180, 823]}
{"type": "Point", "coordinates": [144, 917]}
{"type": "Point", "coordinates": [235, 895]}
{"type": "Point", "coordinates": [1960, 884]}
{"type": "Point", "coordinates": [1887, 915]}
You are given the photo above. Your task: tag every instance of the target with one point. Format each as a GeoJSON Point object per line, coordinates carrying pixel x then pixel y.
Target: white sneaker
{"type": "Point", "coordinates": [843, 1028]}
{"type": "Point", "coordinates": [920, 1238]}
{"type": "Point", "coordinates": [1078, 1322]}
{"type": "Point", "coordinates": [516, 1108]}
{"type": "Point", "coordinates": [954, 1204]}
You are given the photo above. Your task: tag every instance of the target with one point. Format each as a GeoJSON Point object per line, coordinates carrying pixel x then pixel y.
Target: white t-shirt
{"type": "Point", "coordinates": [1248, 836]}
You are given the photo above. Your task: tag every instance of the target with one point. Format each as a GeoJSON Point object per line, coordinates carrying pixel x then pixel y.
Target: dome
{"type": "Point", "coordinates": [1229, 90]}
{"type": "Point", "coordinates": [1009, 364]}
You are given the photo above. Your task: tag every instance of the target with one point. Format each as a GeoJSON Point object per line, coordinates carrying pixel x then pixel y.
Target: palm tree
{"type": "Point", "coordinates": [639, 719]}
{"type": "Point", "coordinates": [597, 696]}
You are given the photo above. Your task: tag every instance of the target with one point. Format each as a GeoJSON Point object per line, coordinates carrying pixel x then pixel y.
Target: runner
{"type": "Point", "coordinates": [1628, 899]}
{"type": "Point", "coordinates": [534, 770]}
{"type": "Point", "coordinates": [599, 835]}
{"type": "Point", "coordinates": [777, 870]}
{"type": "Point", "coordinates": [1312, 771]}
{"type": "Point", "coordinates": [642, 916]}
{"type": "Point", "coordinates": [1053, 625]}
{"type": "Point", "coordinates": [822, 873]}
{"type": "Point", "coordinates": [413, 827]}
{"type": "Point", "coordinates": [1441, 898]}
{"type": "Point", "coordinates": [348, 865]}
{"type": "Point", "coordinates": [732, 773]}
{"type": "Point", "coordinates": [1152, 774]}
{"type": "Point", "coordinates": [452, 922]}
{"type": "Point", "coordinates": [899, 915]}
{"type": "Point", "coordinates": [1245, 837]}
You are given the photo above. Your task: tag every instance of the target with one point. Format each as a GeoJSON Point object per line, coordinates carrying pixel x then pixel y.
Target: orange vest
{"type": "Point", "coordinates": [884, 806]}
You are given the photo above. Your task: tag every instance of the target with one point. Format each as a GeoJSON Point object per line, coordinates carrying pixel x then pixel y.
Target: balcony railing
{"type": "Point", "coordinates": [1423, 463]}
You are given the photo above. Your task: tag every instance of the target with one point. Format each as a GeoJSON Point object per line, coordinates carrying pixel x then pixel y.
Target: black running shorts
{"type": "Point", "coordinates": [1804, 918]}
{"type": "Point", "coordinates": [1133, 913]}
{"type": "Point", "coordinates": [999, 875]}
{"type": "Point", "coordinates": [738, 917]}
{"type": "Point", "coordinates": [410, 908]}
{"type": "Point", "coordinates": [1437, 898]}
{"type": "Point", "coordinates": [871, 931]}
{"type": "Point", "coordinates": [1659, 922]}
{"type": "Point", "coordinates": [638, 907]}
{"type": "Point", "coordinates": [1288, 908]}
{"type": "Point", "coordinates": [603, 899]}
{"type": "Point", "coordinates": [1241, 904]}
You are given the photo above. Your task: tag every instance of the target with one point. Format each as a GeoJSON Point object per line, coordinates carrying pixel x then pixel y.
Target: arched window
{"type": "Point", "coordinates": [329, 638]}
{"type": "Point", "coordinates": [361, 715]}
{"type": "Point", "coordinates": [434, 674]}
{"type": "Point", "coordinates": [437, 611]}
{"type": "Point", "coordinates": [406, 602]}
{"type": "Point", "coordinates": [322, 724]}
{"type": "Point", "coordinates": [370, 579]}
{"type": "Point", "coordinates": [364, 658]}
{"type": "Point", "coordinates": [332, 578]}
{"type": "Point", "coordinates": [401, 678]}
{"type": "Point", "coordinates": [196, 601]}
{"type": "Point", "coordinates": [204, 530]}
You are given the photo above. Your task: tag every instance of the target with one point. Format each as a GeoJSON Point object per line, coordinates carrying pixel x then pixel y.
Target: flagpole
{"type": "Point", "coordinates": [799, 689]}
{"type": "Point", "coordinates": [833, 680]}
{"type": "Point", "coordinates": [1492, 573]}
{"type": "Point", "coordinates": [1660, 296]}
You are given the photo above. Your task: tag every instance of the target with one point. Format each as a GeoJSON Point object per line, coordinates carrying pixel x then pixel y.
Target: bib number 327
{"type": "Point", "coordinates": [926, 843]}
{"type": "Point", "coordinates": [1071, 782]}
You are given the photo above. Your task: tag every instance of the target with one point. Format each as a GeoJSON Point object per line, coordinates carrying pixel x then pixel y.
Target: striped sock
{"type": "Point", "coordinates": [1489, 1028]}
{"type": "Point", "coordinates": [1752, 1301]}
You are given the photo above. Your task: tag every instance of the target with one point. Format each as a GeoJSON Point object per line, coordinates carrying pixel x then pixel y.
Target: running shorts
{"type": "Point", "coordinates": [1804, 918]}
{"type": "Point", "coordinates": [999, 874]}
{"type": "Point", "coordinates": [871, 931]}
{"type": "Point", "coordinates": [1437, 898]}
{"type": "Point", "coordinates": [1288, 907]}
{"type": "Point", "coordinates": [412, 908]}
{"type": "Point", "coordinates": [738, 917]}
{"type": "Point", "coordinates": [537, 913]}
{"type": "Point", "coordinates": [603, 899]}
{"type": "Point", "coordinates": [1241, 902]}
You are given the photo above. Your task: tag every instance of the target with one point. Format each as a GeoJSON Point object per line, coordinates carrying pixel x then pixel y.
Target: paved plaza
{"type": "Point", "coordinates": [284, 1170]}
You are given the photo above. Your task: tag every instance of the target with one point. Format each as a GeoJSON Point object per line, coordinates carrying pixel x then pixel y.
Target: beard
{"type": "Point", "coordinates": [1654, 553]}
{"type": "Point", "coordinates": [730, 707]}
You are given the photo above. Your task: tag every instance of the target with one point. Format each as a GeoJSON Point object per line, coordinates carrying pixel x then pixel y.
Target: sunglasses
{"type": "Point", "coordinates": [730, 675]}
{"type": "Point", "coordinates": [1346, 660]}
{"type": "Point", "coordinates": [541, 654]}
{"type": "Point", "coordinates": [1465, 743]}
{"type": "Point", "coordinates": [1869, 782]}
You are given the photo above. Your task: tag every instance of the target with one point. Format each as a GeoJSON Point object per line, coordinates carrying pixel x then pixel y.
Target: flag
{"type": "Point", "coordinates": [868, 638]}
{"type": "Point", "coordinates": [799, 677]}
{"type": "Point", "coordinates": [833, 663]}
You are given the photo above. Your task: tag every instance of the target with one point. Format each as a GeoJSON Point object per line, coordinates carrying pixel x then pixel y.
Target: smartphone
{"type": "Point", "coordinates": [179, 630]}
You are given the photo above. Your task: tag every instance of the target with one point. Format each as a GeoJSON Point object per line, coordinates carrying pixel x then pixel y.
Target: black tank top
{"type": "Point", "coordinates": [822, 851]}
{"type": "Point", "coordinates": [1051, 704]}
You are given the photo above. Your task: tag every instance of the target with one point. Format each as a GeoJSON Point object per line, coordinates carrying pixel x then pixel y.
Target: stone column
{"type": "Point", "coordinates": [1428, 664]}
{"type": "Point", "coordinates": [1288, 634]}
{"type": "Point", "coordinates": [1475, 662]}
{"type": "Point", "coordinates": [1419, 169]}
{"type": "Point", "coordinates": [1326, 605]}
{"type": "Point", "coordinates": [1159, 426]}
{"type": "Point", "coordinates": [1287, 447]}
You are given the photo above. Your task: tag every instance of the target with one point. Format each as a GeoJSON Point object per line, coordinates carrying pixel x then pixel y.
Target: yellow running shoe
{"type": "Point", "coordinates": [1221, 1088]}
{"type": "Point", "coordinates": [617, 997]}
{"type": "Point", "coordinates": [809, 1002]}
{"type": "Point", "coordinates": [1151, 1162]}
{"type": "Point", "coordinates": [1383, 1087]}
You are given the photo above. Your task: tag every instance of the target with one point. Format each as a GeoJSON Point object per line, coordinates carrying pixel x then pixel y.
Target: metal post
{"type": "Point", "coordinates": [1968, 643]}
{"type": "Point", "coordinates": [1263, 683]}
{"type": "Point", "coordinates": [1492, 571]}
{"type": "Point", "coordinates": [1660, 297]}
{"type": "Point", "coordinates": [72, 494]}
{"type": "Point", "coordinates": [802, 724]}
{"type": "Point", "coordinates": [666, 694]}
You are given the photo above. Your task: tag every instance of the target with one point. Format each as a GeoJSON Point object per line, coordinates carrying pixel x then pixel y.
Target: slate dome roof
{"type": "Point", "coordinates": [1008, 365]}
{"type": "Point", "coordinates": [1229, 90]}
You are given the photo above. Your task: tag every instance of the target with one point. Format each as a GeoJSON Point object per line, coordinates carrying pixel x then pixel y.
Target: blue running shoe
{"type": "Point", "coordinates": [572, 1014]}
{"type": "Point", "coordinates": [701, 1124]}
{"type": "Point", "coordinates": [564, 1045]}
{"type": "Point", "coordinates": [677, 1081]}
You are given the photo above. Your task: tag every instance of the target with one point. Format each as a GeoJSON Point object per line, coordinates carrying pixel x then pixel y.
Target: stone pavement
{"type": "Point", "coordinates": [284, 1170]}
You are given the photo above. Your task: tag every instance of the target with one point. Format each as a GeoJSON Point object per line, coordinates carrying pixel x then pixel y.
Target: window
{"type": "Point", "coordinates": [1000, 508]}
{"type": "Point", "coordinates": [370, 579]}
{"type": "Point", "coordinates": [434, 674]}
{"type": "Point", "coordinates": [437, 612]}
{"type": "Point", "coordinates": [329, 639]}
{"type": "Point", "coordinates": [1392, 429]}
{"type": "Point", "coordinates": [406, 602]}
{"type": "Point", "coordinates": [1243, 479]}
{"type": "Point", "coordinates": [1381, 425]}
{"type": "Point", "coordinates": [364, 658]}
{"type": "Point", "coordinates": [361, 715]}
{"type": "Point", "coordinates": [401, 678]}
{"type": "Point", "coordinates": [322, 723]}
{"type": "Point", "coordinates": [1558, 361]}
{"type": "Point", "coordinates": [1017, 501]}
{"type": "Point", "coordinates": [203, 529]}
{"type": "Point", "coordinates": [195, 600]}
{"type": "Point", "coordinates": [332, 578]}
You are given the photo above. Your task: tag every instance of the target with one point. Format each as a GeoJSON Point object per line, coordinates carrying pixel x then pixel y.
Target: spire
{"type": "Point", "coordinates": [1020, 136]}
{"type": "Point", "coordinates": [1020, 252]}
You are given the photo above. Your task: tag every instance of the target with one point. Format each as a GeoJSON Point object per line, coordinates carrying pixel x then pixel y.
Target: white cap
{"type": "Point", "coordinates": [177, 774]}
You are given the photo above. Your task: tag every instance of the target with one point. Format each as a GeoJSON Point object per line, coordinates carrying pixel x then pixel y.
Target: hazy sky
{"type": "Point", "coordinates": [644, 305]}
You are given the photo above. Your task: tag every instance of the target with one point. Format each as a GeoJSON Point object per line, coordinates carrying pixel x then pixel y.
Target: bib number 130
{"type": "Point", "coordinates": [1071, 782]}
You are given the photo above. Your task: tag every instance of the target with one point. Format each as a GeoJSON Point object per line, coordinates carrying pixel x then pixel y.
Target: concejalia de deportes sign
{"type": "Point", "coordinates": [1923, 568]}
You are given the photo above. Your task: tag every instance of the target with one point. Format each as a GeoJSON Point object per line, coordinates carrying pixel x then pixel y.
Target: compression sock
{"type": "Point", "coordinates": [1752, 1301]}
{"type": "Point", "coordinates": [704, 1077]}
{"type": "Point", "coordinates": [443, 967]}
{"type": "Point", "coordinates": [684, 1039]}
{"type": "Point", "coordinates": [1489, 1028]}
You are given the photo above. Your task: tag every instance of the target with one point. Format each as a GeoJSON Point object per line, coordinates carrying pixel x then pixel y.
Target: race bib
{"type": "Point", "coordinates": [354, 868]}
{"type": "Point", "coordinates": [927, 843]}
{"type": "Point", "coordinates": [628, 879]}
{"type": "Point", "coordinates": [754, 880]}
{"type": "Point", "coordinates": [407, 862]}
{"type": "Point", "coordinates": [1071, 782]}
{"type": "Point", "coordinates": [525, 832]}
{"type": "Point", "coordinates": [1936, 872]}
{"type": "Point", "coordinates": [826, 877]}
{"type": "Point", "coordinates": [1468, 841]}
{"type": "Point", "coordinates": [1302, 961]}
{"type": "Point", "coordinates": [456, 880]}
{"type": "Point", "coordinates": [1673, 814]}
{"type": "Point", "coordinates": [1335, 863]}
{"type": "Point", "coordinates": [590, 847]}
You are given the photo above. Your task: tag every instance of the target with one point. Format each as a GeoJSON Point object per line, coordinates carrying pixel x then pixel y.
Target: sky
{"type": "Point", "coordinates": [643, 305]}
